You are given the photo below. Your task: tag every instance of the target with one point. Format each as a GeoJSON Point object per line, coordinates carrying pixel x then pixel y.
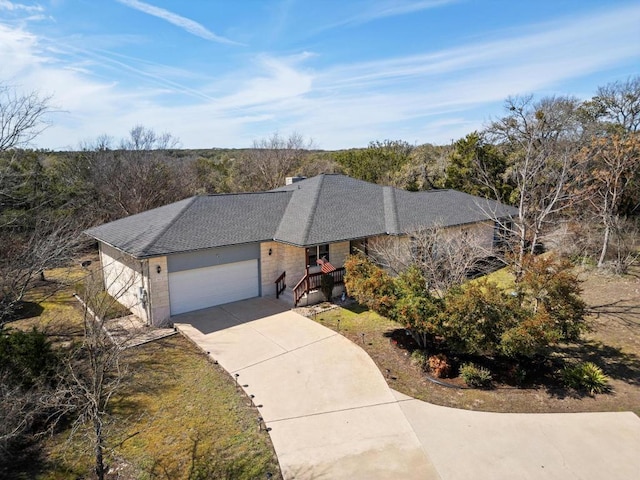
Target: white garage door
{"type": "Point", "coordinates": [205, 287]}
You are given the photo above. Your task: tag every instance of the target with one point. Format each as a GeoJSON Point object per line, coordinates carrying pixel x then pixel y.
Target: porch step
{"type": "Point", "coordinates": [287, 296]}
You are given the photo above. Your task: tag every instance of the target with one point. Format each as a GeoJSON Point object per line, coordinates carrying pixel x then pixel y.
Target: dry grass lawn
{"type": "Point", "coordinates": [177, 416]}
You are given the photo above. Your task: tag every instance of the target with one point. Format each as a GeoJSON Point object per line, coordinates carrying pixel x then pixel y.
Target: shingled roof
{"type": "Point", "coordinates": [323, 209]}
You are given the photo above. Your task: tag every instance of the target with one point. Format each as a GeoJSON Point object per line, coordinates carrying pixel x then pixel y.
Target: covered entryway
{"type": "Point", "coordinates": [199, 288]}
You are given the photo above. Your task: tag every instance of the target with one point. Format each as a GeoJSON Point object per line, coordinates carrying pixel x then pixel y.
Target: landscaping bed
{"type": "Point", "coordinates": [612, 342]}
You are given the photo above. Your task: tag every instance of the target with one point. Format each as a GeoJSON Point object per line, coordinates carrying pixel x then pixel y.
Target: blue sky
{"type": "Point", "coordinates": [222, 73]}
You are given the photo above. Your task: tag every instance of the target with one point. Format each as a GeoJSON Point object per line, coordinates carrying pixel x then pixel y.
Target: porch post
{"type": "Point", "coordinates": [307, 277]}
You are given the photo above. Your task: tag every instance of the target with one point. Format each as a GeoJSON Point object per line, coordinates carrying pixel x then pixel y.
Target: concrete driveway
{"type": "Point", "coordinates": [332, 416]}
{"type": "Point", "coordinates": [330, 411]}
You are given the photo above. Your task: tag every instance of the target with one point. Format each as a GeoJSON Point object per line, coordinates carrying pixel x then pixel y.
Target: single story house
{"type": "Point", "coordinates": [214, 249]}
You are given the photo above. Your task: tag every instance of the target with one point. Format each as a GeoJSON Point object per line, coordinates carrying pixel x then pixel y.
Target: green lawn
{"type": "Point", "coordinates": [503, 278]}
{"type": "Point", "coordinates": [177, 417]}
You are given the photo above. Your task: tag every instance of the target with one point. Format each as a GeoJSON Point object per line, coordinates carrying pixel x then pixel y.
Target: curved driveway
{"type": "Point", "coordinates": [331, 414]}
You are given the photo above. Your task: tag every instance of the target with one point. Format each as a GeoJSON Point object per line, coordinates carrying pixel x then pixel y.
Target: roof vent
{"type": "Point", "coordinates": [291, 180]}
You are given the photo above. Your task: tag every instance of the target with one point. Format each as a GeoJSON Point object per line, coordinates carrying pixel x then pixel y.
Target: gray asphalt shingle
{"type": "Point", "coordinates": [323, 209]}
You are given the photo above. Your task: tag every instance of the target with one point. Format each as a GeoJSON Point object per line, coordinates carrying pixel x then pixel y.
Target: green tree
{"type": "Point", "coordinates": [529, 336]}
{"type": "Point", "coordinates": [26, 357]}
{"type": "Point", "coordinates": [425, 168]}
{"type": "Point", "coordinates": [416, 308]}
{"type": "Point", "coordinates": [326, 285]}
{"type": "Point", "coordinates": [212, 175]}
{"type": "Point", "coordinates": [31, 401]}
{"type": "Point", "coordinates": [370, 285]}
{"type": "Point", "coordinates": [475, 317]}
{"type": "Point", "coordinates": [549, 287]}
{"type": "Point", "coordinates": [478, 168]}
{"type": "Point", "coordinates": [378, 162]}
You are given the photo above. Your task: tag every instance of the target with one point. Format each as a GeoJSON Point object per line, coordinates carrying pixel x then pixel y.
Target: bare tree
{"type": "Point", "coordinates": [619, 104]}
{"type": "Point", "coordinates": [51, 243]}
{"type": "Point", "coordinates": [445, 256]}
{"type": "Point", "coordinates": [35, 234]}
{"type": "Point", "coordinates": [97, 367]}
{"type": "Point", "coordinates": [22, 117]}
{"type": "Point", "coordinates": [119, 182]}
{"type": "Point", "coordinates": [541, 139]}
{"type": "Point", "coordinates": [611, 168]}
{"type": "Point", "coordinates": [142, 138]}
{"type": "Point", "coordinates": [271, 159]}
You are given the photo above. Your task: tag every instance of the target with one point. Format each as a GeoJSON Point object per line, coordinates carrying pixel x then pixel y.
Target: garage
{"type": "Point", "coordinates": [198, 288]}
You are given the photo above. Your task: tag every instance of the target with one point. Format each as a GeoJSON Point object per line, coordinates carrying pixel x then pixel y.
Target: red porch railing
{"type": "Point", "coordinates": [311, 281]}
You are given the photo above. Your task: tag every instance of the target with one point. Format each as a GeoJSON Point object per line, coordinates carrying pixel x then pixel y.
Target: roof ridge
{"type": "Point", "coordinates": [390, 210]}
{"type": "Point", "coordinates": [314, 205]}
{"type": "Point", "coordinates": [239, 193]}
{"type": "Point", "coordinates": [174, 220]}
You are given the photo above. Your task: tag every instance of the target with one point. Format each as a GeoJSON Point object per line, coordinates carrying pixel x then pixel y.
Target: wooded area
{"type": "Point", "coordinates": [570, 167]}
{"type": "Point", "coordinates": [567, 165]}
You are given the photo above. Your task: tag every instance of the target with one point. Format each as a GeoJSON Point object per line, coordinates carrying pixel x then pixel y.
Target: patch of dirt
{"type": "Point", "coordinates": [612, 342]}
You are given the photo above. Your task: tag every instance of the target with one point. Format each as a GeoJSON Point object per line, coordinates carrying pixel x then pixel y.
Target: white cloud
{"type": "Point", "coordinates": [184, 23]}
{"type": "Point", "coordinates": [277, 80]}
{"type": "Point", "coordinates": [395, 8]}
{"type": "Point", "coordinates": [383, 9]}
{"type": "Point", "coordinates": [434, 97]}
{"type": "Point", "coordinates": [19, 7]}
{"type": "Point", "coordinates": [560, 50]}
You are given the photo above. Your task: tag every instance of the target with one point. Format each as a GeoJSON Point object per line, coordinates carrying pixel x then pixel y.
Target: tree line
{"type": "Point", "coordinates": [560, 161]}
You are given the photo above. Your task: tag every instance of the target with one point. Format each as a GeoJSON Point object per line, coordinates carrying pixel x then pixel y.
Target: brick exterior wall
{"type": "Point", "coordinates": [338, 253]}
{"type": "Point", "coordinates": [158, 283]}
{"type": "Point", "coordinates": [294, 261]}
{"type": "Point", "coordinates": [270, 267]}
{"type": "Point", "coordinates": [290, 259]}
{"type": "Point", "coordinates": [122, 276]}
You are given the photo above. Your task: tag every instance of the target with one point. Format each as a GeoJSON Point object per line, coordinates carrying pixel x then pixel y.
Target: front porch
{"type": "Point", "coordinates": [292, 274]}
{"type": "Point", "coordinates": [308, 289]}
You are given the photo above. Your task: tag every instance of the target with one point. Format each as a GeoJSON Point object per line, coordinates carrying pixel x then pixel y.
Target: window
{"type": "Point", "coordinates": [359, 246]}
{"type": "Point", "coordinates": [314, 253]}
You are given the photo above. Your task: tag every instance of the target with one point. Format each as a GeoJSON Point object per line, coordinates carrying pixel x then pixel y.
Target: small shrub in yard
{"type": "Point", "coordinates": [519, 375]}
{"type": "Point", "coordinates": [474, 376]}
{"type": "Point", "coordinates": [419, 358]}
{"type": "Point", "coordinates": [586, 376]}
{"type": "Point", "coordinates": [326, 285]}
{"type": "Point", "coordinates": [439, 365]}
